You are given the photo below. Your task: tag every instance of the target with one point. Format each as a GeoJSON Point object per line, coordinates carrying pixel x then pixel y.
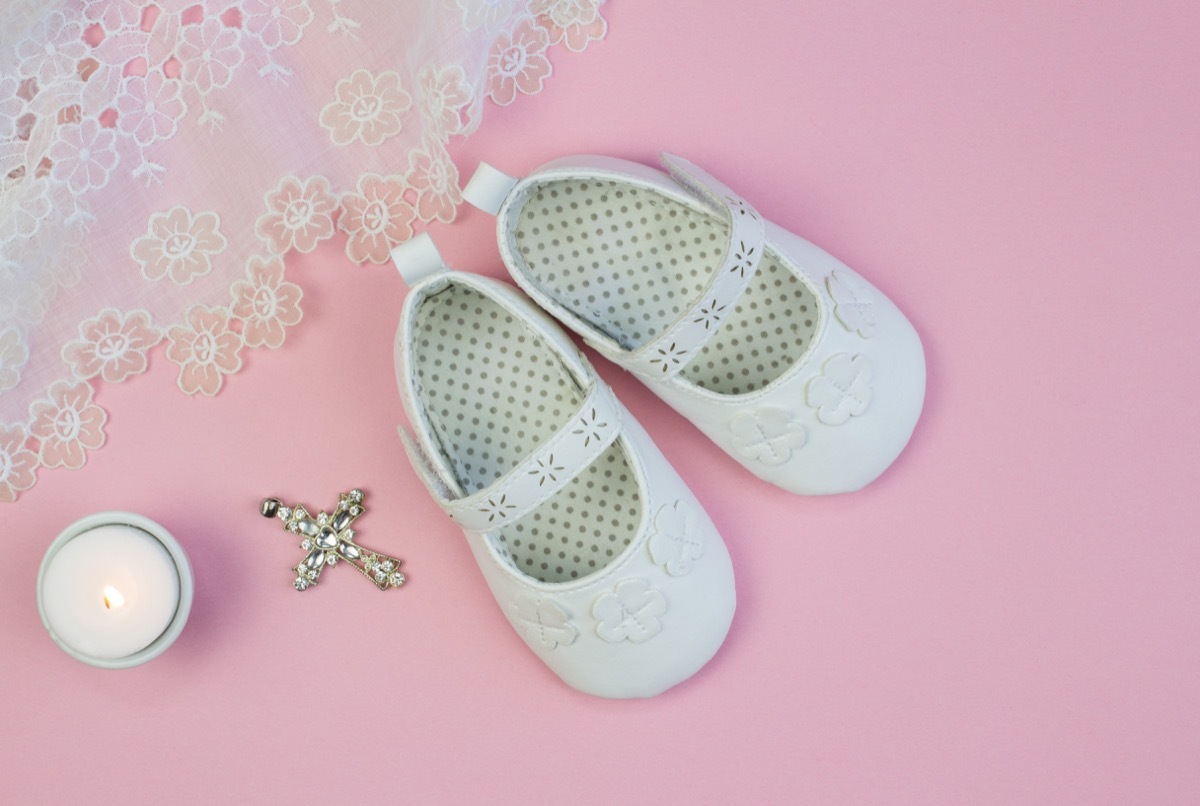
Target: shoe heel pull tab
{"type": "Point", "coordinates": [488, 188]}
{"type": "Point", "coordinates": [418, 258]}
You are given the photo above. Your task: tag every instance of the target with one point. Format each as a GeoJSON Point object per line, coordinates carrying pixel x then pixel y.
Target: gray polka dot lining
{"type": "Point", "coordinates": [493, 391]}
{"type": "Point", "coordinates": [631, 261]}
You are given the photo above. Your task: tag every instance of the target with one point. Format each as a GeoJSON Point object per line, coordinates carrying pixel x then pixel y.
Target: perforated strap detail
{"type": "Point", "coordinates": [542, 475]}
{"type": "Point", "coordinates": [674, 349]}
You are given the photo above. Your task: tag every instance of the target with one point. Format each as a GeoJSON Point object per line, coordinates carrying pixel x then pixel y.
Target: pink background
{"type": "Point", "coordinates": [1010, 615]}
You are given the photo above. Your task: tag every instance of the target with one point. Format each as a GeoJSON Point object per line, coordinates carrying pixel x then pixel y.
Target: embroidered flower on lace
{"type": "Point", "coordinates": [842, 390]}
{"type": "Point", "coordinates": [376, 217]}
{"type": "Point", "coordinates": [366, 107]}
{"type": "Point", "coordinates": [577, 22]}
{"type": "Point", "coordinates": [18, 464]}
{"type": "Point", "coordinates": [179, 245]}
{"type": "Point", "coordinates": [13, 355]}
{"type": "Point", "coordinates": [68, 425]}
{"type": "Point", "coordinates": [149, 108]}
{"type": "Point", "coordinates": [276, 22]}
{"type": "Point", "coordinates": [210, 53]}
{"type": "Point", "coordinates": [768, 435]}
{"type": "Point", "coordinates": [265, 302]}
{"type": "Point", "coordinates": [435, 179]}
{"type": "Point", "coordinates": [631, 612]}
{"type": "Point", "coordinates": [518, 62]}
{"type": "Point", "coordinates": [84, 155]}
{"type": "Point", "coordinates": [299, 215]}
{"type": "Point", "coordinates": [491, 14]}
{"type": "Point", "coordinates": [206, 350]}
{"type": "Point", "coordinates": [675, 541]}
{"type": "Point", "coordinates": [544, 622]}
{"type": "Point", "coordinates": [113, 345]}
{"type": "Point", "coordinates": [52, 49]}
{"type": "Point", "coordinates": [443, 95]}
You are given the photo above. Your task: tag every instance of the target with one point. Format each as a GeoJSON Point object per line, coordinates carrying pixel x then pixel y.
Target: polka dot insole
{"type": "Point", "coordinates": [494, 391]}
{"type": "Point", "coordinates": [631, 261]}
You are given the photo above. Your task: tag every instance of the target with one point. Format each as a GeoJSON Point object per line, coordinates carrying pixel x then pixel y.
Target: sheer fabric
{"type": "Point", "coordinates": [158, 160]}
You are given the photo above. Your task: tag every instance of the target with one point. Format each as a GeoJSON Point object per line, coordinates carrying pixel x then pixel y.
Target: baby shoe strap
{"type": "Point", "coordinates": [545, 472]}
{"type": "Point", "coordinates": [418, 258]}
{"type": "Point", "coordinates": [488, 188]}
{"type": "Point", "coordinates": [678, 345]}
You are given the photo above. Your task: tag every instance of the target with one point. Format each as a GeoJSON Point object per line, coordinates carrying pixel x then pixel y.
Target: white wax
{"type": "Point", "coordinates": [118, 562]}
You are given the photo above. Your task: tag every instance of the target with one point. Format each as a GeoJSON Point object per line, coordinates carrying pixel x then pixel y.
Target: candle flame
{"type": "Point", "coordinates": [112, 597]}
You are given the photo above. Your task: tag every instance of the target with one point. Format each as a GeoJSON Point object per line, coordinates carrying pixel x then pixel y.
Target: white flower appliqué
{"type": "Point", "coordinates": [575, 22]}
{"type": "Point", "coordinates": [265, 302]}
{"type": "Point", "coordinates": [68, 424]}
{"type": "Point", "coordinates": [676, 542]}
{"type": "Point", "coordinates": [631, 612]}
{"type": "Point", "coordinates": [518, 63]}
{"type": "Point", "coordinates": [113, 345]}
{"type": "Point", "coordinates": [855, 308]}
{"type": "Point", "coordinates": [435, 179]}
{"type": "Point", "coordinates": [179, 244]}
{"type": "Point", "coordinates": [443, 93]}
{"type": "Point", "coordinates": [543, 622]}
{"type": "Point", "coordinates": [206, 350]}
{"type": "Point", "coordinates": [366, 107]}
{"type": "Point", "coordinates": [842, 390]}
{"type": "Point", "coordinates": [299, 215]}
{"type": "Point", "coordinates": [768, 434]}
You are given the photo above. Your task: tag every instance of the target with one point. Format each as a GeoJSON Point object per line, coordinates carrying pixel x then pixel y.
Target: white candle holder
{"type": "Point", "coordinates": [182, 567]}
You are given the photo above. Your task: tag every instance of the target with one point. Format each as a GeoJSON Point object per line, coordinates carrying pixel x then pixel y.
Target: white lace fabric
{"type": "Point", "coordinates": [159, 159]}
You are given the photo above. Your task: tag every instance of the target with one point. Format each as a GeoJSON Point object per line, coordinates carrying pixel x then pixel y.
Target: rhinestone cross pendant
{"type": "Point", "coordinates": [329, 539]}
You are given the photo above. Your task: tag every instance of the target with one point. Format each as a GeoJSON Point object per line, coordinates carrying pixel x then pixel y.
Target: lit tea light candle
{"type": "Point", "coordinates": [115, 590]}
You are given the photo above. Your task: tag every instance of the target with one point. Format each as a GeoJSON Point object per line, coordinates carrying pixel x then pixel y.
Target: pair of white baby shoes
{"type": "Point", "coordinates": [595, 549]}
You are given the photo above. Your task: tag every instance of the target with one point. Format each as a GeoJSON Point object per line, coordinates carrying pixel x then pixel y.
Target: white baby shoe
{"type": "Point", "coordinates": [785, 357]}
{"type": "Point", "coordinates": [596, 551]}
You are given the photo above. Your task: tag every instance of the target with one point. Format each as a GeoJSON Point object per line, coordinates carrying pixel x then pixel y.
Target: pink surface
{"type": "Point", "coordinates": [1010, 615]}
